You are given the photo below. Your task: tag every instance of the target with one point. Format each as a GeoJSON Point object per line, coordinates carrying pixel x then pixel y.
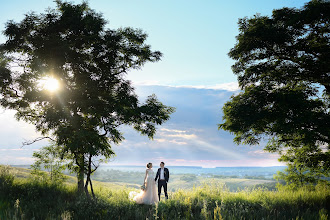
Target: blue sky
{"type": "Point", "coordinates": [194, 76]}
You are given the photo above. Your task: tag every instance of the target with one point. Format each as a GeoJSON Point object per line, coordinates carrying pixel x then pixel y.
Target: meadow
{"type": "Point", "coordinates": [186, 181]}
{"type": "Point", "coordinates": [23, 197]}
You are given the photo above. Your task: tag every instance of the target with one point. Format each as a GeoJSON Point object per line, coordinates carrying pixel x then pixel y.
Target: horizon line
{"type": "Point", "coordinates": [128, 165]}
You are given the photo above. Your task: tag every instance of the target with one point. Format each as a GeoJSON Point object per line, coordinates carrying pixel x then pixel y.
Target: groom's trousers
{"type": "Point", "coordinates": [162, 183]}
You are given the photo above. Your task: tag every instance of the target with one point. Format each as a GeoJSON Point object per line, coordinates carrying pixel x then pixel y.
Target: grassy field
{"type": "Point", "coordinates": [121, 179]}
{"type": "Point", "coordinates": [184, 181]}
{"type": "Point", "coordinates": [115, 179]}
{"type": "Point", "coordinates": [23, 198]}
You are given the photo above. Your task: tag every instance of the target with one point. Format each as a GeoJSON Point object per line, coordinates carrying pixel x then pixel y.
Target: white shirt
{"type": "Point", "coordinates": [162, 177]}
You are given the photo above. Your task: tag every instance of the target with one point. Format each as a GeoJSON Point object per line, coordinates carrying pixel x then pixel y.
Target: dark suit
{"type": "Point", "coordinates": [162, 183]}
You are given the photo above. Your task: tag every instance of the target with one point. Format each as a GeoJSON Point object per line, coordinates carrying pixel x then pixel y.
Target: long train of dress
{"type": "Point", "coordinates": [149, 195]}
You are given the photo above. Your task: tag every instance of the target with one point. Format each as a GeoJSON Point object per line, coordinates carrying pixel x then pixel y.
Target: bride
{"type": "Point", "coordinates": [148, 195]}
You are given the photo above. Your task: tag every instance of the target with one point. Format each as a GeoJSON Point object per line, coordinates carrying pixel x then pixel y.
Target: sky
{"type": "Point", "coordinates": [194, 76]}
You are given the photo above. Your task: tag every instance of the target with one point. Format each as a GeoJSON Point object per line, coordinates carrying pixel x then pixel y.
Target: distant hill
{"type": "Point", "coordinates": [119, 179]}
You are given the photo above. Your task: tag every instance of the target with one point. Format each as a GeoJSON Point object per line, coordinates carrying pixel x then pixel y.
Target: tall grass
{"type": "Point", "coordinates": [29, 199]}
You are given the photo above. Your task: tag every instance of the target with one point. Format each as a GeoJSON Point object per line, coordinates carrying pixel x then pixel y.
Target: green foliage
{"type": "Point", "coordinates": [71, 44]}
{"type": "Point", "coordinates": [282, 66]}
{"type": "Point", "coordinates": [217, 212]}
{"type": "Point", "coordinates": [49, 159]}
{"type": "Point", "coordinates": [297, 173]}
{"type": "Point", "coordinates": [188, 177]}
{"type": "Point", "coordinates": [6, 177]}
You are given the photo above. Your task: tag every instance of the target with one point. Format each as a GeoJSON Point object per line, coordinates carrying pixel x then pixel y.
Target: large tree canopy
{"type": "Point", "coordinates": [72, 45]}
{"type": "Point", "coordinates": [283, 68]}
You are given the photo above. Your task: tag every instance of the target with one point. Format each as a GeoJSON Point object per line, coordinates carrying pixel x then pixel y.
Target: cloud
{"type": "Point", "coordinates": [189, 138]}
{"type": "Point", "coordinates": [172, 130]}
{"type": "Point", "coordinates": [184, 136]}
{"type": "Point", "coordinates": [231, 86]}
{"type": "Point", "coordinates": [165, 132]}
{"type": "Point", "coordinates": [219, 163]}
{"type": "Point", "coordinates": [198, 142]}
{"type": "Point", "coordinates": [178, 142]}
{"type": "Point", "coordinates": [160, 139]}
{"type": "Point", "coordinates": [19, 160]}
{"type": "Point", "coordinates": [14, 149]}
{"type": "Point", "coordinates": [218, 149]}
{"type": "Point", "coordinates": [262, 153]}
{"type": "Point", "coordinates": [13, 132]}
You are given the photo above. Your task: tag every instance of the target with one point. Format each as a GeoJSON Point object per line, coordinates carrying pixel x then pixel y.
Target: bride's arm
{"type": "Point", "coordinates": [145, 176]}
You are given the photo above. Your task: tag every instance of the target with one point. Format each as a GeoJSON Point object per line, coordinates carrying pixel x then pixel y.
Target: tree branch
{"type": "Point", "coordinates": [95, 167]}
{"type": "Point", "coordinates": [105, 130]}
{"type": "Point", "coordinates": [35, 140]}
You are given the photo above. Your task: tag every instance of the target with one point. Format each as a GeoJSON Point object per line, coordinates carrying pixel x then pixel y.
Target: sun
{"type": "Point", "coordinates": [49, 83]}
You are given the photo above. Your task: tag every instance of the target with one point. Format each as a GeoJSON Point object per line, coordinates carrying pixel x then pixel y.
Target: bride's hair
{"type": "Point", "coordinates": [149, 165]}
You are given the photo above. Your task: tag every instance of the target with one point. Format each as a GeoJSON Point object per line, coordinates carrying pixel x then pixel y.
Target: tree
{"type": "Point", "coordinates": [300, 171]}
{"type": "Point", "coordinates": [283, 69]}
{"type": "Point", "coordinates": [71, 46]}
{"type": "Point", "coordinates": [48, 159]}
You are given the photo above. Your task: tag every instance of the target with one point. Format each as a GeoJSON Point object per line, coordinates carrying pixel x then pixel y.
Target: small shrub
{"type": "Point", "coordinates": [6, 177]}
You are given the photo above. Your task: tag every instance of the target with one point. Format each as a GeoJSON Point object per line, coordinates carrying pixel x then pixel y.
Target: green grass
{"type": "Point", "coordinates": [23, 198]}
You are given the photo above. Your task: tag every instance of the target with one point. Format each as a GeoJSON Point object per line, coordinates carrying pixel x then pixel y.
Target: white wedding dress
{"type": "Point", "coordinates": [149, 195]}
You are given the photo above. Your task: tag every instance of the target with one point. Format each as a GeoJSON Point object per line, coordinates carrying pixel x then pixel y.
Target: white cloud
{"type": "Point", "coordinates": [184, 136]}
{"type": "Point", "coordinates": [18, 149]}
{"type": "Point", "coordinates": [262, 153]}
{"type": "Point", "coordinates": [223, 163]}
{"type": "Point", "coordinates": [16, 160]}
{"type": "Point", "coordinates": [218, 149]}
{"type": "Point", "coordinates": [190, 138]}
{"type": "Point", "coordinates": [160, 140]}
{"type": "Point", "coordinates": [174, 133]}
{"type": "Point", "coordinates": [173, 130]}
{"type": "Point", "coordinates": [198, 143]}
{"type": "Point", "coordinates": [231, 86]}
{"type": "Point", "coordinates": [146, 83]}
{"type": "Point", "coordinates": [14, 149]}
{"type": "Point", "coordinates": [14, 132]}
{"type": "Point", "coordinates": [178, 142]}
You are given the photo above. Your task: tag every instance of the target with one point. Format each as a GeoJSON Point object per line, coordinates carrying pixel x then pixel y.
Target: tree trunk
{"type": "Point", "coordinates": [80, 175]}
{"type": "Point", "coordinates": [90, 181]}
{"type": "Point", "coordinates": [86, 188]}
{"type": "Point", "coordinates": [88, 178]}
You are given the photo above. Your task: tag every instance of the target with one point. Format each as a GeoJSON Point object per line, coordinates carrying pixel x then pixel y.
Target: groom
{"type": "Point", "coordinates": [162, 175]}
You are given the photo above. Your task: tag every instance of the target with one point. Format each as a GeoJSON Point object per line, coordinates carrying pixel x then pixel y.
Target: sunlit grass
{"type": "Point", "coordinates": [22, 198]}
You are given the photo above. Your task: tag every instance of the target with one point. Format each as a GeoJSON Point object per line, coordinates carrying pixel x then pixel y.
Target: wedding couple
{"type": "Point", "coordinates": [148, 194]}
